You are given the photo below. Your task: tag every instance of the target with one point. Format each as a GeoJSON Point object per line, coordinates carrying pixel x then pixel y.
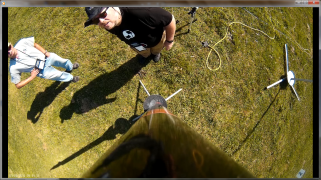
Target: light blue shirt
{"type": "Point", "coordinates": [26, 60]}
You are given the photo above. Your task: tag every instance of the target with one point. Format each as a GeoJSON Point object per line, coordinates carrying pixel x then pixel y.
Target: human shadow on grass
{"type": "Point", "coordinates": [121, 127]}
{"type": "Point", "coordinates": [283, 86]}
{"type": "Point", "coordinates": [96, 92]}
{"type": "Point", "coordinates": [44, 99]}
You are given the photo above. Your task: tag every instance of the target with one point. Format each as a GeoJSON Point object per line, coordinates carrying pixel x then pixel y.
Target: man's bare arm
{"type": "Point", "coordinates": [41, 49]}
{"type": "Point", "coordinates": [34, 73]}
{"type": "Point", "coordinates": [170, 32]}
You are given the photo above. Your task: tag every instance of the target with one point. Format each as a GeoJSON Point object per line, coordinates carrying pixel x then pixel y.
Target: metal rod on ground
{"type": "Point", "coordinates": [173, 94]}
{"type": "Point", "coordinates": [306, 80]}
{"type": "Point", "coordinates": [144, 88]}
{"type": "Point", "coordinates": [276, 83]}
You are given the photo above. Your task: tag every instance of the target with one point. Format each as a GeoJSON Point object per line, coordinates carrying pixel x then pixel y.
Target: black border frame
{"type": "Point", "coordinates": [4, 94]}
{"type": "Point", "coordinates": [316, 92]}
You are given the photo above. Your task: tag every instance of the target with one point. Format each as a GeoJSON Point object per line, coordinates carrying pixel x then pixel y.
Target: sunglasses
{"type": "Point", "coordinates": [101, 15]}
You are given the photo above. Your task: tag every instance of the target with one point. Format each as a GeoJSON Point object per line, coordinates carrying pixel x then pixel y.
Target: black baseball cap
{"type": "Point", "coordinates": [92, 12]}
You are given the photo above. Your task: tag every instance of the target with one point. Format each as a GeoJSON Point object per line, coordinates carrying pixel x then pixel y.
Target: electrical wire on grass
{"type": "Point", "coordinates": [212, 48]}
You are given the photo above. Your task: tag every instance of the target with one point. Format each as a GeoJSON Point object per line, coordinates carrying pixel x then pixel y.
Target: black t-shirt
{"type": "Point", "coordinates": [142, 26]}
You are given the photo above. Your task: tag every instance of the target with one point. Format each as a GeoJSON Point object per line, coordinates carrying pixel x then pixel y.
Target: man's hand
{"type": "Point", "coordinates": [168, 45]}
{"type": "Point", "coordinates": [47, 54]}
{"type": "Point", "coordinates": [35, 72]}
{"type": "Point", "coordinates": [41, 49]}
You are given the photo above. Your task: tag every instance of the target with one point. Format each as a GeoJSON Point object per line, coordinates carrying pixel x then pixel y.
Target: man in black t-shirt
{"type": "Point", "coordinates": [147, 30]}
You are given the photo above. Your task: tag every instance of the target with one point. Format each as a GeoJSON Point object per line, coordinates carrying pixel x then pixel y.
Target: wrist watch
{"type": "Point", "coordinates": [169, 41]}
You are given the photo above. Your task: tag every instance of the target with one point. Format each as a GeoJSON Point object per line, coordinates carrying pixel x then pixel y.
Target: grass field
{"type": "Point", "coordinates": [67, 127]}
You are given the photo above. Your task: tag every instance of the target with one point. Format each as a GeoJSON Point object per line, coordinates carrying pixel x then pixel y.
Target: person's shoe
{"type": "Point", "coordinates": [156, 57]}
{"type": "Point", "coordinates": [74, 66]}
{"type": "Point", "coordinates": [75, 79]}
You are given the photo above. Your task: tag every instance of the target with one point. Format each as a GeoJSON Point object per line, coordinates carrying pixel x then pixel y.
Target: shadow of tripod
{"type": "Point", "coordinates": [257, 123]}
{"type": "Point", "coordinates": [121, 126]}
{"type": "Point", "coordinates": [192, 20]}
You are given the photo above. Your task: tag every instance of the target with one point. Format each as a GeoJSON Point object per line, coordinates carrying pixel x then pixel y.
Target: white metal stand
{"type": "Point", "coordinates": [149, 95]}
{"type": "Point", "coordinates": [289, 76]}
{"type": "Point", "coordinates": [166, 98]}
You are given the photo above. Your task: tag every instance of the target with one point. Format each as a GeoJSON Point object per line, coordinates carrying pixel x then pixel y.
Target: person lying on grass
{"type": "Point", "coordinates": [147, 30]}
{"type": "Point", "coordinates": [23, 57]}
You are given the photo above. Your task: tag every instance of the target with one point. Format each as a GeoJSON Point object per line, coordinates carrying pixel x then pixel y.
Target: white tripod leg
{"type": "Point", "coordinates": [295, 93]}
{"type": "Point", "coordinates": [276, 83]}
{"type": "Point", "coordinates": [144, 88]}
{"type": "Point", "coordinates": [287, 59]}
{"type": "Point", "coordinates": [173, 94]}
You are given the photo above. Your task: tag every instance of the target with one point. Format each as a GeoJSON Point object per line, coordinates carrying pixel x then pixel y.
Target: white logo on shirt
{"type": "Point", "coordinates": [128, 34]}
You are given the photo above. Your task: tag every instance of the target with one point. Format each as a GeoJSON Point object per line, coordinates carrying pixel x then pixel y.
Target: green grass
{"type": "Point", "coordinates": [269, 132]}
